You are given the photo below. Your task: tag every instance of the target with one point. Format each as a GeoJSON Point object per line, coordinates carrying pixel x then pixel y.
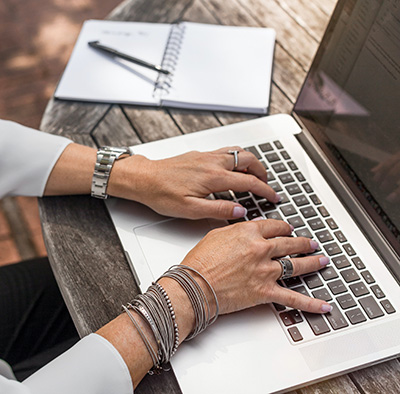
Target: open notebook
{"type": "Point", "coordinates": [213, 67]}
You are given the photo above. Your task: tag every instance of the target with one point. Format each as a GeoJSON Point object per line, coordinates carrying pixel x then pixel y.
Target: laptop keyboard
{"type": "Point", "coordinates": [346, 283]}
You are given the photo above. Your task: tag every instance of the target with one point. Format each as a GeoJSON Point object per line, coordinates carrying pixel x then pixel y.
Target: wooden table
{"type": "Point", "coordinates": [82, 244]}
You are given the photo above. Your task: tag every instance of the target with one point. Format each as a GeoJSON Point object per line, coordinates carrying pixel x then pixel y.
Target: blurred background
{"type": "Point", "coordinates": [37, 38]}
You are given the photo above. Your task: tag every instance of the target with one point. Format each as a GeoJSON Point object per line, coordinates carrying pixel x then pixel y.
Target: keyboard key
{"type": "Point", "coordinates": [291, 317]}
{"type": "Point", "coordinates": [332, 249]}
{"type": "Point", "coordinates": [317, 323]}
{"type": "Point", "coordinates": [301, 290]}
{"type": "Point", "coordinates": [258, 197]}
{"type": "Point", "coordinates": [296, 222]}
{"type": "Point", "coordinates": [254, 151]}
{"type": "Point", "coordinates": [350, 275]}
{"type": "Point", "coordinates": [371, 307]}
{"type": "Point", "coordinates": [278, 144]}
{"type": "Point", "coordinates": [322, 294]}
{"type": "Point", "coordinates": [293, 189]}
{"type": "Point", "coordinates": [272, 157]}
{"type": "Point", "coordinates": [346, 301]}
{"type": "Point", "coordinates": [279, 167]}
{"type": "Point", "coordinates": [340, 237]}
{"type": "Point", "coordinates": [328, 273]}
{"type": "Point", "coordinates": [388, 306]}
{"type": "Point", "coordinates": [323, 211]}
{"type": "Point", "coordinates": [270, 176]}
{"type": "Point", "coordinates": [377, 291]}
{"type": "Point", "coordinates": [279, 307]}
{"type": "Point", "coordinates": [315, 199]}
{"type": "Point", "coordinates": [285, 155]}
{"type": "Point", "coordinates": [284, 197]}
{"type": "Point", "coordinates": [341, 262]}
{"type": "Point", "coordinates": [266, 147]}
{"type": "Point", "coordinates": [359, 289]}
{"type": "Point", "coordinates": [223, 196]}
{"type": "Point", "coordinates": [292, 165]}
{"type": "Point", "coordinates": [288, 210]}
{"type": "Point", "coordinates": [313, 281]}
{"type": "Point", "coordinates": [276, 186]}
{"type": "Point", "coordinates": [308, 212]}
{"type": "Point", "coordinates": [293, 281]}
{"type": "Point", "coordinates": [266, 206]}
{"type": "Point", "coordinates": [295, 334]}
{"type": "Point", "coordinates": [336, 318]}
{"type": "Point", "coordinates": [233, 221]}
{"type": "Point", "coordinates": [349, 249]}
{"type": "Point", "coordinates": [248, 203]}
{"type": "Point", "coordinates": [316, 223]}
{"type": "Point", "coordinates": [264, 164]}
{"type": "Point", "coordinates": [304, 232]}
{"type": "Point", "coordinates": [355, 316]}
{"type": "Point", "coordinates": [307, 188]}
{"type": "Point", "coordinates": [337, 287]}
{"type": "Point", "coordinates": [332, 224]}
{"type": "Point", "coordinates": [299, 176]}
{"type": "Point", "coordinates": [241, 194]}
{"type": "Point", "coordinates": [324, 236]}
{"type": "Point", "coordinates": [274, 215]}
{"type": "Point", "coordinates": [254, 213]}
{"type": "Point", "coordinates": [300, 200]}
{"type": "Point", "coordinates": [368, 277]}
{"type": "Point", "coordinates": [358, 263]}
{"type": "Point", "coordinates": [286, 178]}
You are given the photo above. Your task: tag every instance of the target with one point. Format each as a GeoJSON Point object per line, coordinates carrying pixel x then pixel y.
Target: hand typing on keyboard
{"type": "Point", "coordinates": [178, 186]}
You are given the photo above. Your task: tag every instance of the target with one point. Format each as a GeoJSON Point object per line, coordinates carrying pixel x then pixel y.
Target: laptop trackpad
{"type": "Point", "coordinates": [167, 242]}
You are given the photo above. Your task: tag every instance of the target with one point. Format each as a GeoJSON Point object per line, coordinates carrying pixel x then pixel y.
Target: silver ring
{"type": "Point", "coordinates": [235, 154]}
{"type": "Point", "coordinates": [287, 268]}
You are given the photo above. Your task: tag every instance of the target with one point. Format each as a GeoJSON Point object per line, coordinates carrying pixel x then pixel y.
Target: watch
{"type": "Point", "coordinates": [106, 157]}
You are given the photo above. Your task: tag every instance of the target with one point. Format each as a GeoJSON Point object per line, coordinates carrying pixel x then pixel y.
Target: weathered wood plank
{"type": "Point", "coordinates": [327, 6]}
{"type": "Point", "coordinates": [151, 124]}
{"type": "Point", "coordinates": [115, 130]}
{"type": "Point", "coordinates": [382, 378]}
{"type": "Point", "coordinates": [189, 121]}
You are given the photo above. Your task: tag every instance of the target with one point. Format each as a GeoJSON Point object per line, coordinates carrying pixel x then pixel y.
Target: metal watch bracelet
{"type": "Point", "coordinates": [106, 157]}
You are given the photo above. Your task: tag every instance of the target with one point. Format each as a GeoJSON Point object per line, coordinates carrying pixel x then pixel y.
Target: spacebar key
{"type": "Point", "coordinates": [316, 322]}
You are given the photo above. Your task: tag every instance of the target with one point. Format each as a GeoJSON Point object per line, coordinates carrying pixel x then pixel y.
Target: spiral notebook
{"type": "Point", "coordinates": [225, 68]}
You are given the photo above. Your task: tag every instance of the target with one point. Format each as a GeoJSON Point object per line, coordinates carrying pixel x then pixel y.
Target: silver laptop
{"type": "Point", "coordinates": [336, 162]}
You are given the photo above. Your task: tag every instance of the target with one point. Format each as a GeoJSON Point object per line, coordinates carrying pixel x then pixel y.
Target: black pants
{"type": "Point", "coordinates": [35, 326]}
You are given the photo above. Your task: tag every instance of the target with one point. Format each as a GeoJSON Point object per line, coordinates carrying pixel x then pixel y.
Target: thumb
{"type": "Point", "coordinates": [219, 209]}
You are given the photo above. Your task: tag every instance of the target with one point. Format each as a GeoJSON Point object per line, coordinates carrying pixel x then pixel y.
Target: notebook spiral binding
{"type": "Point", "coordinates": [170, 59]}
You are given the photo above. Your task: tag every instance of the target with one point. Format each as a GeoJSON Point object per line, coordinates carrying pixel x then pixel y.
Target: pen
{"type": "Point", "coordinates": [111, 51]}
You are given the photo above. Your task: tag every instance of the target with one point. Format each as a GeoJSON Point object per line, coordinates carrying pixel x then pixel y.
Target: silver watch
{"type": "Point", "coordinates": [106, 157]}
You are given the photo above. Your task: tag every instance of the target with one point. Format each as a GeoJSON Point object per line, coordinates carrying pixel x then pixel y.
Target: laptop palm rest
{"type": "Point", "coordinates": [167, 242]}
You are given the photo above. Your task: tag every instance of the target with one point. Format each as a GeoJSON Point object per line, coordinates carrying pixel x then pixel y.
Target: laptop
{"type": "Point", "coordinates": [336, 163]}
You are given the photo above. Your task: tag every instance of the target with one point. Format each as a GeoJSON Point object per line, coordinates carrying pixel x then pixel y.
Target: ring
{"type": "Point", "coordinates": [287, 268]}
{"type": "Point", "coordinates": [235, 154]}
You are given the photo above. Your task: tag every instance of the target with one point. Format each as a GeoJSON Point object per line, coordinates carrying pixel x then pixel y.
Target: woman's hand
{"type": "Point", "coordinates": [178, 186]}
{"type": "Point", "coordinates": [238, 261]}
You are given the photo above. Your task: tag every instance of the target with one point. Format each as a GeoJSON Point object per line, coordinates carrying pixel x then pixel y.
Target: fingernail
{"type": "Point", "coordinates": [323, 261]}
{"type": "Point", "coordinates": [314, 245]}
{"type": "Point", "coordinates": [278, 198]}
{"type": "Point", "coordinates": [239, 212]}
{"type": "Point", "coordinates": [291, 228]}
{"type": "Point", "coordinates": [257, 218]}
{"type": "Point", "coordinates": [326, 308]}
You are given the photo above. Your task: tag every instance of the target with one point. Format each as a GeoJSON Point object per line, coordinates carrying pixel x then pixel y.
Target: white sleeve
{"type": "Point", "coordinates": [27, 157]}
{"type": "Point", "coordinates": [92, 366]}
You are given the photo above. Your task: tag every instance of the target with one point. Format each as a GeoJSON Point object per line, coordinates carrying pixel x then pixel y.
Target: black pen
{"type": "Point", "coordinates": [111, 51]}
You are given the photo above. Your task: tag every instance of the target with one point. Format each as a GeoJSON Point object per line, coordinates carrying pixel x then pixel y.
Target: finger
{"type": "Point", "coordinates": [218, 209]}
{"type": "Point", "coordinates": [295, 300]}
{"type": "Point", "coordinates": [293, 245]}
{"type": "Point", "coordinates": [271, 228]}
{"type": "Point", "coordinates": [305, 265]}
{"type": "Point", "coordinates": [240, 182]}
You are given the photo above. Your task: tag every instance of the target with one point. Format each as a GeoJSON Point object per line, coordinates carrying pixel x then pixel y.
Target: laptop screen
{"type": "Point", "coordinates": [350, 103]}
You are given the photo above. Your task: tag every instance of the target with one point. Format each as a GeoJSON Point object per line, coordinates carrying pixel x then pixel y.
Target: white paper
{"type": "Point", "coordinates": [94, 76]}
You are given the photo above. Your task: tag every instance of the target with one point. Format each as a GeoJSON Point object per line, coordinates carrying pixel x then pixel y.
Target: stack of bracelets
{"type": "Point", "coordinates": [156, 309]}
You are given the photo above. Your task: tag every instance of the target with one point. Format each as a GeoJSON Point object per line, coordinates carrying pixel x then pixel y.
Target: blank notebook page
{"type": "Point", "coordinates": [244, 80]}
